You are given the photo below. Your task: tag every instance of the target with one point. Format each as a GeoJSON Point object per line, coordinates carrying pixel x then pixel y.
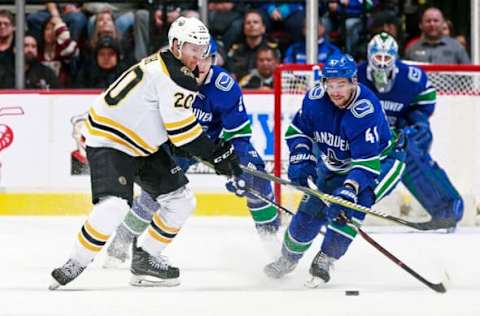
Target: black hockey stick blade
{"type": "Point", "coordinates": [437, 287]}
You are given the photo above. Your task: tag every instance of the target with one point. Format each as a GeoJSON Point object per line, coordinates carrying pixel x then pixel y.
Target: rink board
{"type": "Point", "coordinates": [36, 177]}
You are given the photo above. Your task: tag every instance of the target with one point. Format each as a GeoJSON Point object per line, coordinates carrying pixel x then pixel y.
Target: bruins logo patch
{"type": "Point", "coordinates": [122, 180]}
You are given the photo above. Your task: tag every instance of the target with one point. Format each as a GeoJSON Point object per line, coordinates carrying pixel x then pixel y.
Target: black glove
{"type": "Point", "coordinates": [225, 161]}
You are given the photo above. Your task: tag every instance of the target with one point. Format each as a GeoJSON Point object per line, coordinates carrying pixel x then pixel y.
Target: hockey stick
{"type": "Point", "coordinates": [437, 287]}
{"type": "Point", "coordinates": [252, 191]}
{"type": "Point", "coordinates": [260, 196]}
{"type": "Point", "coordinates": [336, 200]}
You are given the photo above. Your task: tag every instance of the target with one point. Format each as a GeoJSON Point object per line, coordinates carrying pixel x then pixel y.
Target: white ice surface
{"type": "Point", "coordinates": [221, 262]}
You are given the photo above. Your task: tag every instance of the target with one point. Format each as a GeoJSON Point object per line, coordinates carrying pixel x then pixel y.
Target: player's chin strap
{"type": "Point", "coordinates": [333, 199]}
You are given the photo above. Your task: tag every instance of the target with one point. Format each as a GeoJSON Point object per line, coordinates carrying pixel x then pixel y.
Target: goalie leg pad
{"type": "Point", "coordinates": [430, 185]}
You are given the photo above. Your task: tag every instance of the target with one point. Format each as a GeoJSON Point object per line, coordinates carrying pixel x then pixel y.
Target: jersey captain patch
{"type": "Point", "coordinates": [362, 108]}
{"type": "Point", "coordinates": [224, 82]}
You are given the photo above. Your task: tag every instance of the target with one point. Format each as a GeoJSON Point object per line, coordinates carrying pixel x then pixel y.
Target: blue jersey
{"type": "Point", "coordinates": [351, 141]}
{"type": "Point", "coordinates": [411, 91]}
{"type": "Point", "coordinates": [297, 52]}
{"type": "Point", "coordinates": [219, 107]}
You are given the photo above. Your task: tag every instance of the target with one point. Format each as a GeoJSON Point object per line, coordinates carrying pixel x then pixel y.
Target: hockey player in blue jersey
{"type": "Point", "coordinates": [220, 110]}
{"type": "Point", "coordinates": [359, 160]}
{"type": "Point", "coordinates": [408, 99]}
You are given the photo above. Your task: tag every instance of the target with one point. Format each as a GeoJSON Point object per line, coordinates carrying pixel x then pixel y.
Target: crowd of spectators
{"type": "Point", "coordinates": [90, 45]}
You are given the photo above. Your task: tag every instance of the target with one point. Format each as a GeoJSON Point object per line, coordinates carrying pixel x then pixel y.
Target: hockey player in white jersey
{"type": "Point", "coordinates": [127, 132]}
{"type": "Point", "coordinates": [220, 110]}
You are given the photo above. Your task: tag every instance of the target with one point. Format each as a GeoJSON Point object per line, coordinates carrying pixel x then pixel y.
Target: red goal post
{"type": "Point", "coordinates": [455, 84]}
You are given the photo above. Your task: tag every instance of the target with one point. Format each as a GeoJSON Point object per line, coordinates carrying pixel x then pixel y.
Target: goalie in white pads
{"type": "Point", "coordinates": [127, 131]}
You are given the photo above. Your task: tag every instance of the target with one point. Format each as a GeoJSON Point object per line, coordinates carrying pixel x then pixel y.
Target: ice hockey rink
{"type": "Point", "coordinates": [221, 261]}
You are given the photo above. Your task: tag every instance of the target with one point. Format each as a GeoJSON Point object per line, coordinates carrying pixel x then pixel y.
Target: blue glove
{"type": "Point", "coordinates": [420, 135]}
{"type": "Point", "coordinates": [423, 135]}
{"type": "Point", "coordinates": [347, 193]}
{"type": "Point", "coordinates": [302, 165]}
{"type": "Point", "coordinates": [238, 186]}
{"type": "Point", "coordinates": [249, 158]}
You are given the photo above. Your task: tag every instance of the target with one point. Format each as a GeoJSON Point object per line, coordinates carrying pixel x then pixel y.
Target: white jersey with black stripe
{"type": "Point", "coordinates": [149, 104]}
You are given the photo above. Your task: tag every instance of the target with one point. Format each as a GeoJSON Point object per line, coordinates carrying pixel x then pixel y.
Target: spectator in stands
{"type": "Point", "coordinates": [241, 57]}
{"type": "Point", "coordinates": [449, 30]}
{"type": "Point", "coordinates": [386, 21]}
{"type": "Point", "coordinates": [296, 53]}
{"type": "Point", "coordinates": [71, 13]}
{"type": "Point", "coordinates": [345, 16]}
{"type": "Point", "coordinates": [105, 26]}
{"type": "Point", "coordinates": [261, 77]}
{"type": "Point", "coordinates": [433, 46]}
{"type": "Point", "coordinates": [123, 12]}
{"type": "Point", "coordinates": [37, 76]}
{"type": "Point", "coordinates": [59, 51]}
{"type": "Point", "coordinates": [225, 21]}
{"type": "Point", "coordinates": [149, 40]}
{"type": "Point", "coordinates": [7, 32]}
{"type": "Point", "coordinates": [462, 40]}
{"type": "Point", "coordinates": [104, 68]}
{"type": "Point", "coordinates": [287, 16]}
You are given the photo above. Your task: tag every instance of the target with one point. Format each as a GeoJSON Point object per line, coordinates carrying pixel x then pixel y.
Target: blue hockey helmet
{"type": "Point", "coordinates": [212, 47]}
{"type": "Point", "coordinates": [339, 65]}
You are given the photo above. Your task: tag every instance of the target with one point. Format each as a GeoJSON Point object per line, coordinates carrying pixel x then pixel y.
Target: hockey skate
{"type": "Point", "coordinates": [320, 270]}
{"type": "Point", "coordinates": [268, 234]}
{"type": "Point", "coordinates": [117, 254]}
{"type": "Point", "coordinates": [280, 267]}
{"type": "Point", "coordinates": [65, 274]}
{"type": "Point", "coordinates": [148, 270]}
{"type": "Point", "coordinates": [270, 242]}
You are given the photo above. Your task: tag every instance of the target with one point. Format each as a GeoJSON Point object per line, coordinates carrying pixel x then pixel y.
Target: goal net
{"type": "Point", "coordinates": [454, 124]}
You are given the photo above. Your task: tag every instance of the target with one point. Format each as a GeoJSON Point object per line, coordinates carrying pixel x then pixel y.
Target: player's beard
{"type": "Point", "coordinates": [344, 104]}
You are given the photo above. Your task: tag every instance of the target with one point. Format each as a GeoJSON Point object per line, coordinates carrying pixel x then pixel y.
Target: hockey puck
{"type": "Point", "coordinates": [352, 293]}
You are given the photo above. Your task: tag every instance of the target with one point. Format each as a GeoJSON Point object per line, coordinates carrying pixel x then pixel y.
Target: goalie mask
{"type": "Point", "coordinates": [382, 54]}
{"type": "Point", "coordinates": [192, 37]}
